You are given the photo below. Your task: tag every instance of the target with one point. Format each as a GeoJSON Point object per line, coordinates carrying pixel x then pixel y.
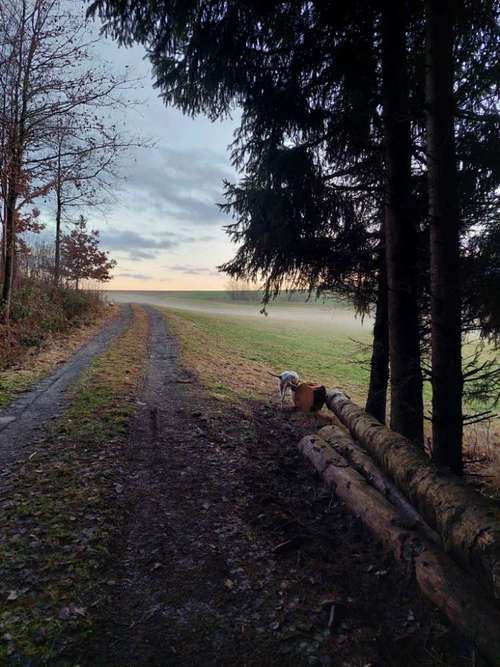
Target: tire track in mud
{"type": "Point", "coordinates": [22, 421]}
{"type": "Point", "coordinates": [147, 495]}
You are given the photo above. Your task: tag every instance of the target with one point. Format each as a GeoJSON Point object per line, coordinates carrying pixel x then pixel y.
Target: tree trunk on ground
{"type": "Point", "coordinates": [400, 231]}
{"type": "Point", "coordinates": [379, 366]}
{"type": "Point", "coordinates": [360, 460]}
{"type": "Point", "coordinates": [439, 578]}
{"type": "Point", "coordinates": [447, 381]}
{"type": "Point", "coordinates": [467, 522]}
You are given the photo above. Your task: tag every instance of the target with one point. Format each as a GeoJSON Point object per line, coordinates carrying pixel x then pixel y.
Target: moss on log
{"type": "Point", "coordinates": [468, 523]}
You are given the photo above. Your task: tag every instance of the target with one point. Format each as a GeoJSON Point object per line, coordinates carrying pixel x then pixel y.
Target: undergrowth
{"type": "Point", "coordinates": [40, 310]}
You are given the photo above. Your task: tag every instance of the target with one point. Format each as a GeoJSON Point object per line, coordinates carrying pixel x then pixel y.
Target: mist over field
{"type": "Point", "coordinates": [329, 313]}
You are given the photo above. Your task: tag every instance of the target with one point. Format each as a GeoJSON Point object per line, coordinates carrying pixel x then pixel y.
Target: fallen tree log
{"type": "Point", "coordinates": [442, 581]}
{"type": "Point", "coordinates": [343, 443]}
{"type": "Point", "coordinates": [467, 522]}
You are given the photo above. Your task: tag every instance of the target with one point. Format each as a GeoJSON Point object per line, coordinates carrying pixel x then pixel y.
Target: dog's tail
{"type": "Point", "coordinates": [274, 375]}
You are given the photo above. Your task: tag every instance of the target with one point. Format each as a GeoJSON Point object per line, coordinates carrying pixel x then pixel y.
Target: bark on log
{"type": "Point", "coordinates": [343, 443]}
{"type": "Point", "coordinates": [439, 578]}
{"type": "Point", "coordinates": [468, 523]}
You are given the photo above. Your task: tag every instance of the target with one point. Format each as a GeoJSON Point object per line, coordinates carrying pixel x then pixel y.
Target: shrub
{"type": "Point", "coordinates": [40, 310]}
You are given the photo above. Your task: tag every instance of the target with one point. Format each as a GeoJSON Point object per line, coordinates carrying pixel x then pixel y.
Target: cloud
{"type": "Point", "coordinates": [184, 185]}
{"type": "Point", "coordinates": [138, 255]}
{"type": "Point", "coordinates": [141, 246]}
{"type": "Point", "coordinates": [134, 276]}
{"type": "Point", "coordinates": [125, 239]}
{"type": "Point", "coordinates": [194, 270]}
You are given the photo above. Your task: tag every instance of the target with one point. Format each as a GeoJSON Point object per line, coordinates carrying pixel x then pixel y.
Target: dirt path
{"type": "Point", "coordinates": [232, 554]}
{"type": "Point", "coordinates": [22, 421]}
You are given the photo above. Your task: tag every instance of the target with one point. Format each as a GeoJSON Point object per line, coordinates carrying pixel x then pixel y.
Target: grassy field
{"type": "Point", "coordinates": [224, 296]}
{"type": "Point", "coordinates": [232, 355]}
{"type": "Point", "coordinates": [332, 355]}
{"type": "Point", "coordinates": [295, 307]}
{"type": "Point", "coordinates": [320, 338]}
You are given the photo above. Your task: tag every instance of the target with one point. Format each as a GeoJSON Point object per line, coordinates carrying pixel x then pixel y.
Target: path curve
{"type": "Point", "coordinates": [21, 421]}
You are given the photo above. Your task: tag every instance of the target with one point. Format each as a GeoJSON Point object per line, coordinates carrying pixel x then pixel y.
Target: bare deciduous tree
{"type": "Point", "coordinates": [55, 128]}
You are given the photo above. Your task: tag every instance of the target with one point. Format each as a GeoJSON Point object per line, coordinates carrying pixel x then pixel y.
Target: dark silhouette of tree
{"type": "Point", "coordinates": [400, 229]}
{"type": "Point", "coordinates": [309, 142]}
{"type": "Point", "coordinates": [379, 365]}
{"type": "Point", "coordinates": [446, 338]}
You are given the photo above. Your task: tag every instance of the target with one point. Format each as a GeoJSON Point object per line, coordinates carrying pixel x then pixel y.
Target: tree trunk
{"type": "Point", "coordinates": [447, 381]}
{"type": "Point", "coordinates": [57, 256]}
{"type": "Point", "coordinates": [379, 366]}
{"type": "Point", "coordinates": [4, 226]}
{"type": "Point", "coordinates": [400, 231]}
{"type": "Point", "coordinates": [438, 577]}
{"type": "Point", "coordinates": [4, 230]}
{"type": "Point", "coordinates": [467, 522]}
{"type": "Point", "coordinates": [10, 254]}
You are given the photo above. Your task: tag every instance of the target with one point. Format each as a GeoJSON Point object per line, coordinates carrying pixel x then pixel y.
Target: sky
{"type": "Point", "coordinates": [163, 227]}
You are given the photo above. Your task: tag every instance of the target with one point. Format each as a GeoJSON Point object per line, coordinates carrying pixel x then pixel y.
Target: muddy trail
{"type": "Point", "coordinates": [22, 422]}
{"type": "Point", "coordinates": [232, 553]}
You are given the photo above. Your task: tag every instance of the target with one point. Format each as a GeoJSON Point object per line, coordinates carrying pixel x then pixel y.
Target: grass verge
{"type": "Point", "coordinates": [60, 508]}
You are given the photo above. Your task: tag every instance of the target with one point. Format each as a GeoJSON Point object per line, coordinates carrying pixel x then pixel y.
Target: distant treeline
{"type": "Point", "coordinates": [239, 291]}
